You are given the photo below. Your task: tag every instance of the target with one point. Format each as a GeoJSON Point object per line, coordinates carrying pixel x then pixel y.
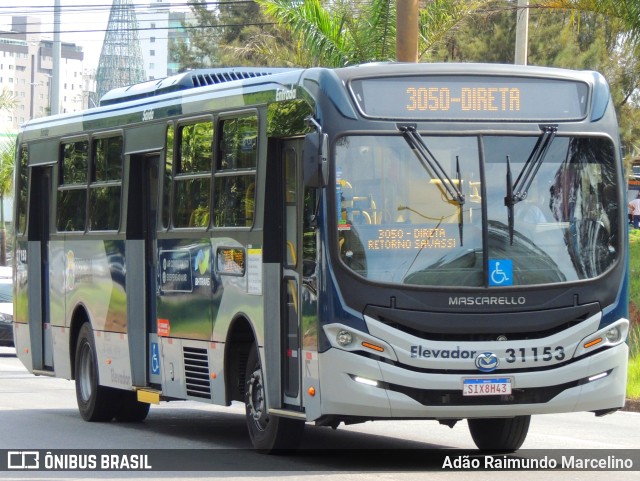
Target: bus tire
{"type": "Point", "coordinates": [499, 434]}
{"type": "Point", "coordinates": [129, 409]}
{"type": "Point", "coordinates": [268, 434]}
{"type": "Point", "coordinates": [95, 402]}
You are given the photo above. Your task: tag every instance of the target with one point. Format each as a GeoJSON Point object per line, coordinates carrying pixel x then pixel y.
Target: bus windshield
{"type": "Point", "coordinates": [397, 221]}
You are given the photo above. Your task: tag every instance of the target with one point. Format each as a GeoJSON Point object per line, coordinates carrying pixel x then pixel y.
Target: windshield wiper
{"type": "Point", "coordinates": [518, 190]}
{"type": "Point", "coordinates": [434, 168]}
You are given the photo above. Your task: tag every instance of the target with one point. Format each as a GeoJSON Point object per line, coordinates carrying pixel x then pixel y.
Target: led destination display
{"type": "Point", "coordinates": [471, 98]}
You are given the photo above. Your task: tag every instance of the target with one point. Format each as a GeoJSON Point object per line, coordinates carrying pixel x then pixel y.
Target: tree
{"type": "Point", "coordinates": [342, 33]}
{"type": "Point", "coordinates": [7, 155]}
{"type": "Point", "coordinates": [234, 33]}
{"type": "Point", "coordinates": [578, 38]}
{"type": "Point", "coordinates": [308, 32]}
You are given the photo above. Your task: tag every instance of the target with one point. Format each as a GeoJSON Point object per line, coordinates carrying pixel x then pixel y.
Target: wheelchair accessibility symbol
{"type": "Point", "coordinates": [155, 359]}
{"type": "Point", "coordinates": [500, 272]}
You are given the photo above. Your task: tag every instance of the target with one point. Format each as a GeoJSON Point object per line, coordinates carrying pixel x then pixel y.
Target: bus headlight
{"type": "Point", "coordinates": [613, 335]}
{"type": "Point", "coordinates": [609, 336]}
{"type": "Point", "coordinates": [349, 339]}
{"type": "Point", "coordinates": [344, 338]}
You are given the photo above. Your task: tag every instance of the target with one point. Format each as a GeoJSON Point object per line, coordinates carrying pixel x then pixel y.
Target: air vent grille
{"type": "Point", "coordinates": [196, 372]}
{"type": "Point", "coordinates": [185, 81]}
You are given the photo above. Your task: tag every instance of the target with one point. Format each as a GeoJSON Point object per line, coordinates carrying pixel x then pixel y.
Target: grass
{"type": "Point", "coordinates": [633, 377]}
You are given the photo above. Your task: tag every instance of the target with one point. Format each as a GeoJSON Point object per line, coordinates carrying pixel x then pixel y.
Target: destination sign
{"type": "Point", "coordinates": [471, 98]}
{"type": "Point", "coordinates": [407, 238]}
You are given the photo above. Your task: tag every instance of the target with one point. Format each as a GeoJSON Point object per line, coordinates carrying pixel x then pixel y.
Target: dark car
{"type": "Point", "coordinates": [6, 312]}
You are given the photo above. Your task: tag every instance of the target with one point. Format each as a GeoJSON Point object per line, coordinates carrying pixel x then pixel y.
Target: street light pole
{"type": "Point", "coordinates": [57, 48]}
{"type": "Point", "coordinates": [522, 32]}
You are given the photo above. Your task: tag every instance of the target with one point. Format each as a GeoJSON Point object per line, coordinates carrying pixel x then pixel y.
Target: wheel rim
{"type": "Point", "coordinates": [255, 400]}
{"type": "Point", "coordinates": [85, 374]}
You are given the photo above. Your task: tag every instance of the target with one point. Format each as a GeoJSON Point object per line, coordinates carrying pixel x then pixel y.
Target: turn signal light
{"type": "Point", "coordinates": [593, 343]}
{"type": "Point", "coordinates": [373, 346]}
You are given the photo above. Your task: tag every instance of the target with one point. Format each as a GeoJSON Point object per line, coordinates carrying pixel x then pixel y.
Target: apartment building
{"type": "Point", "coordinates": [26, 66]}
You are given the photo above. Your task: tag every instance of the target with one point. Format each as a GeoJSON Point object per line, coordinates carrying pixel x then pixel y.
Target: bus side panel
{"type": "Point", "coordinates": [90, 282]}
{"type": "Point", "coordinates": [21, 336]}
{"type": "Point", "coordinates": [184, 302]}
{"type": "Point", "coordinates": [94, 282]}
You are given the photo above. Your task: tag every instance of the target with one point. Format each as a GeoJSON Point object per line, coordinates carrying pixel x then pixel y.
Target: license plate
{"type": "Point", "coordinates": [486, 387]}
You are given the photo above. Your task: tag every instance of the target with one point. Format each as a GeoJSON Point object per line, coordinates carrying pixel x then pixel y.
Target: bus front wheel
{"type": "Point", "coordinates": [129, 409]}
{"type": "Point", "coordinates": [499, 434]}
{"type": "Point", "coordinates": [95, 402]}
{"type": "Point", "coordinates": [267, 433]}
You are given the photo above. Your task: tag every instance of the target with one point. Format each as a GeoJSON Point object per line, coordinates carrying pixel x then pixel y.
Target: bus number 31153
{"type": "Point", "coordinates": [535, 354]}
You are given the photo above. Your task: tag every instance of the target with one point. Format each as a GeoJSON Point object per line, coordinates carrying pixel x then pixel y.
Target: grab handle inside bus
{"type": "Point", "coordinates": [315, 166]}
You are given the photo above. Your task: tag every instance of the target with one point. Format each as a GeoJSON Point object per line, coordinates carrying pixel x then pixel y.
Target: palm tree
{"type": "Point", "coordinates": [341, 33]}
{"type": "Point", "coordinates": [7, 153]}
{"type": "Point", "coordinates": [627, 11]}
{"type": "Point", "coordinates": [7, 156]}
{"type": "Point", "coordinates": [7, 100]}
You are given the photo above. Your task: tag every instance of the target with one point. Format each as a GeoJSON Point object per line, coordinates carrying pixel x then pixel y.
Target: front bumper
{"type": "Point", "coordinates": [592, 382]}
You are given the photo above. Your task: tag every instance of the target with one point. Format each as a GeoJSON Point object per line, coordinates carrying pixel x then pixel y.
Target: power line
{"type": "Point", "coordinates": [23, 10]}
{"type": "Point", "coordinates": [143, 11]}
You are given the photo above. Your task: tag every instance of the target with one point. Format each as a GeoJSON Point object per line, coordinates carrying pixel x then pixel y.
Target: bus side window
{"type": "Point", "coordinates": [72, 192]}
{"type": "Point", "coordinates": [168, 178]}
{"type": "Point", "coordinates": [105, 187]}
{"type": "Point", "coordinates": [234, 183]}
{"type": "Point", "coordinates": [193, 175]}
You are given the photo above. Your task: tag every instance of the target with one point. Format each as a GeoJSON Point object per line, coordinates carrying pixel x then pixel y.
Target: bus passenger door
{"type": "Point", "coordinates": [38, 268]}
{"type": "Point", "coordinates": [141, 268]}
{"type": "Point", "coordinates": [292, 264]}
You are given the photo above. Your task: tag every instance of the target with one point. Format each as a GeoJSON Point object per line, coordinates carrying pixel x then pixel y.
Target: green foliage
{"type": "Point", "coordinates": [285, 119]}
{"type": "Point", "coordinates": [329, 33]}
{"type": "Point", "coordinates": [633, 378]}
{"type": "Point", "coordinates": [7, 161]}
{"type": "Point", "coordinates": [439, 18]}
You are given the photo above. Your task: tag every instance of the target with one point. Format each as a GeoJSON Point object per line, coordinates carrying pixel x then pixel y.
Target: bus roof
{"type": "Point", "coordinates": [176, 89]}
{"type": "Point", "coordinates": [186, 80]}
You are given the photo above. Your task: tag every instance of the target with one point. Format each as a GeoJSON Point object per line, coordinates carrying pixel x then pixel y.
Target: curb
{"type": "Point", "coordinates": [632, 405]}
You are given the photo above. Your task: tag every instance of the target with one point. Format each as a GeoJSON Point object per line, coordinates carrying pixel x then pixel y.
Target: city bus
{"type": "Point", "coordinates": [387, 241]}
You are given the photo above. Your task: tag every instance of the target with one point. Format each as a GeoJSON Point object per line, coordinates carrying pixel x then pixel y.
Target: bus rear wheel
{"type": "Point", "coordinates": [268, 433]}
{"type": "Point", "coordinates": [95, 402]}
{"type": "Point", "coordinates": [499, 434]}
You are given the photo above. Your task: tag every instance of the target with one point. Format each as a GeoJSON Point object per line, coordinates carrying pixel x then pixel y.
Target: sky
{"type": "Point", "coordinates": [83, 22]}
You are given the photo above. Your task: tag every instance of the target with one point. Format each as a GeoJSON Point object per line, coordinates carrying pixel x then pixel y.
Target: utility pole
{"type": "Point", "coordinates": [522, 32]}
{"type": "Point", "coordinates": [54, 101]}
{"type": "Point", "coordinates": [407, 30]}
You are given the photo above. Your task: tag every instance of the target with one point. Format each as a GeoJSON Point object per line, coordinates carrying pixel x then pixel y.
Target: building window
{"type": "Point", "coordinates": [153, 25]}
{"type": "Point", "coordinates": [152, 53]}
{"type": "Point", "coordinates": [152, 40]}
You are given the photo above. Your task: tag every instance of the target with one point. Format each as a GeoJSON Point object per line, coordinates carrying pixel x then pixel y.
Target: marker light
{"type": "Point", "coordinates": [373, 346]}
{"type": "Point", "coordinates": [593, 343]}
{"type": "Point", "coordinates": [344, 338]}
{"type": "Point", "coordinates": [363, 380]}
{"type": "Point", "coordinates": [599, 376]}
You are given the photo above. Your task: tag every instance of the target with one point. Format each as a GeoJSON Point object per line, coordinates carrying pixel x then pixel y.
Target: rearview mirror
{"type": "Point", "coordinates": [314, 160]}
